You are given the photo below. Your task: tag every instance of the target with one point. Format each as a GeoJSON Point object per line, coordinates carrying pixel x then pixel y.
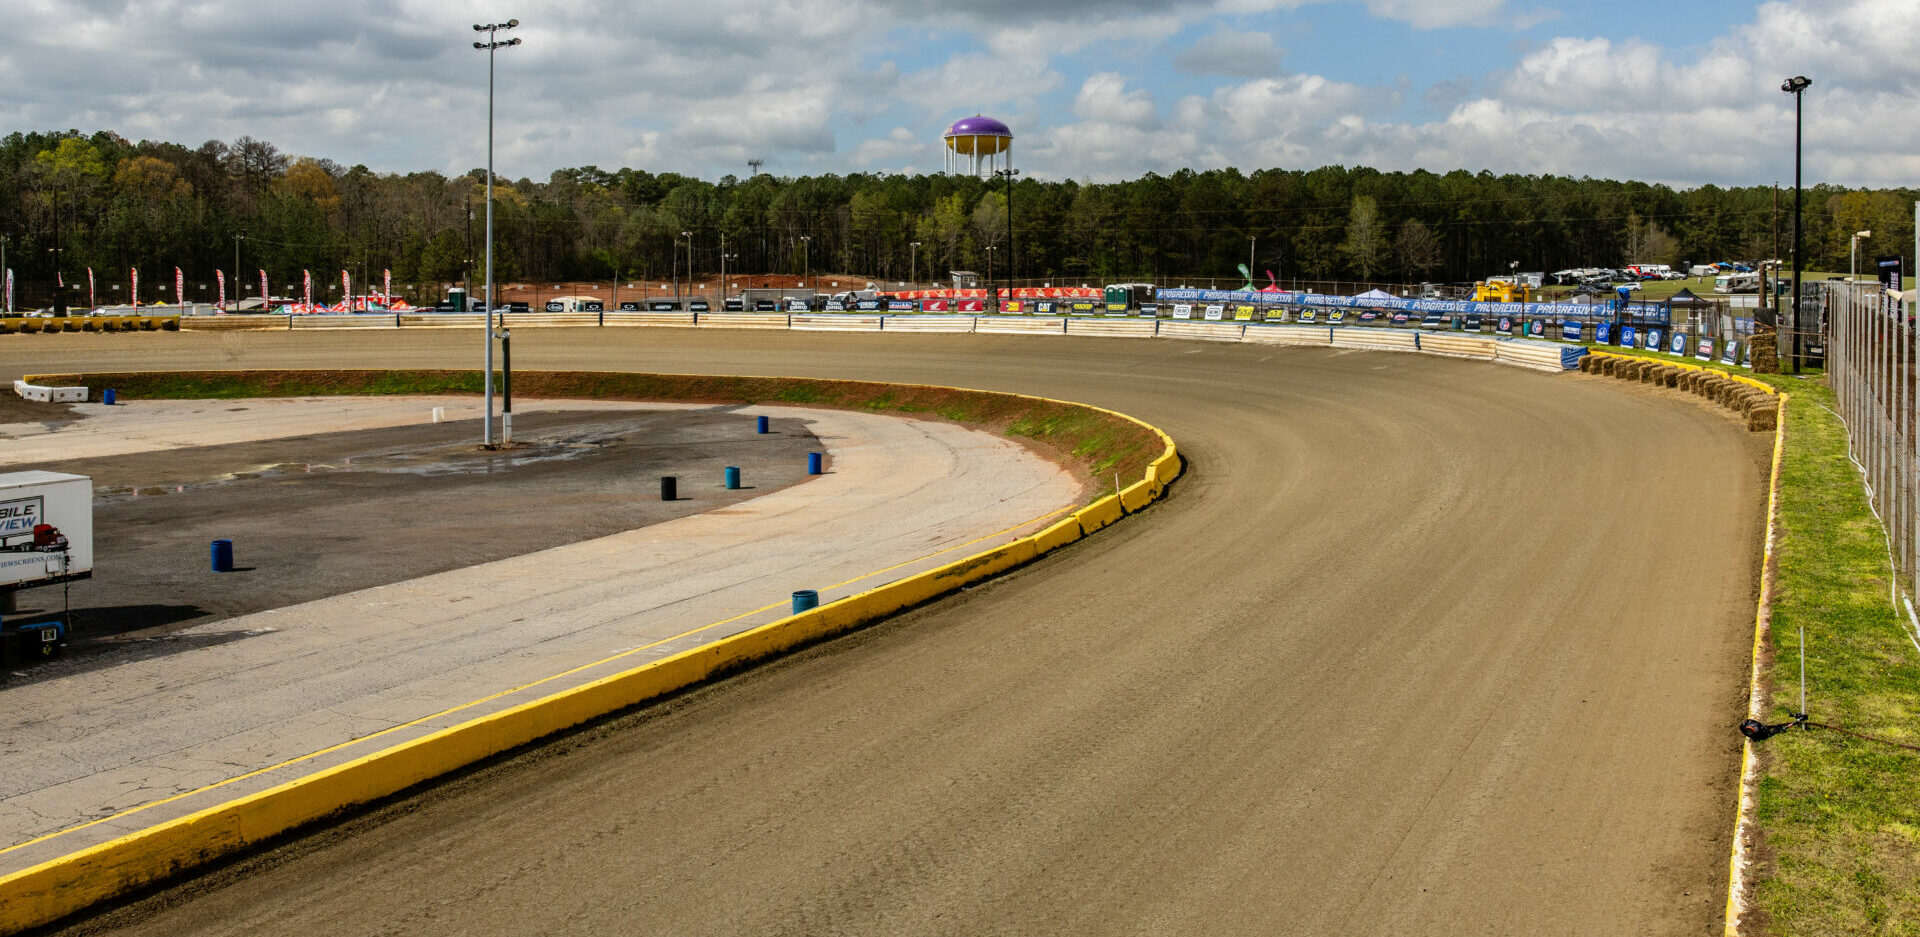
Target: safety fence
{"type": "Point", "coordinates": [1872, 344]}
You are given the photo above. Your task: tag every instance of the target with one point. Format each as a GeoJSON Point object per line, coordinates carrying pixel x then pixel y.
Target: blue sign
{"type": "Point", "coordinates": [1627, 336]}
{"type": "Point", "coordinates": [1601, 331]}
{"type": "Point", "coordinates": [1570, 331]}
{"type": "Point", "coordinates": [1653, 340]}
{"type": "Point", "coordinates": [1679, 346]}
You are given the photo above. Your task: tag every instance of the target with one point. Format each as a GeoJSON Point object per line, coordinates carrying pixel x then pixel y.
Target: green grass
{"type": "Point", "coordinates": [1099, 444]}
{"type": "Point", "coordinates": [1839, 817]}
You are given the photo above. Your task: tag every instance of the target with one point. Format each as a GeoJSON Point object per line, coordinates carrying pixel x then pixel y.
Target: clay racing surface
{"type": "Point", "coordinates": [1416, 646]}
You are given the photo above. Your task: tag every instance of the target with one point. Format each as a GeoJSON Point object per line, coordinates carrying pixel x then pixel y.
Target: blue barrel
{"type": "Point", "coordinates": [108, 396]}
{"type": "Point", "coordinates": [221, 553]}
{"type": "Point", "coordinates": [761, 424]}
{"type": "Point", "coordinates": [813, 463]}
{"type": "Point", "coordinates": [805, 599]}
{"type": "Point", "coordinates": [733, 476]}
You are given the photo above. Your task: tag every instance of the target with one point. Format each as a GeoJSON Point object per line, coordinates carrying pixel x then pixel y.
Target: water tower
{"type": "Point", "coordinates": [979, 145]}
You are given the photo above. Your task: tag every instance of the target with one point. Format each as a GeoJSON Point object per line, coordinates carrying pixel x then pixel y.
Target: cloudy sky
{"type": "Point", "coordinates": [1678, 91]}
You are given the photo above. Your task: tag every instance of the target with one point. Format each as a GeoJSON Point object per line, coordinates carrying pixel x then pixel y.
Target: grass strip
{"type": "Point", "coordinates": [1838, 818]}
{"type": "Point", "coordinates": [1101, 446]}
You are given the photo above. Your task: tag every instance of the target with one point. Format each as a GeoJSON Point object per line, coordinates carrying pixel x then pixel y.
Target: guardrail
{"type": "Point", "coordinates": [1513, 350]}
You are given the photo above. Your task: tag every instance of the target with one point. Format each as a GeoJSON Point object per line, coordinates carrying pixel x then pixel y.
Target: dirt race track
{"type": "Point", "coordinates": [1417, 646]}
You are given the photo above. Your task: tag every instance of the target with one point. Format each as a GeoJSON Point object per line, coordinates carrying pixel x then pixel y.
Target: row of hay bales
{"type": "Point", "coordinates": [90, 324]}
{"type": "Point", "coordinates": [1760, 408]}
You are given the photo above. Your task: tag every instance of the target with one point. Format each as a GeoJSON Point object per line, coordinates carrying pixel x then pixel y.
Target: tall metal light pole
{"type": "Point", "coordinates": [1008, 174]}
{"type": "Point", "coordinates": [723, 271]}
{"type": "Point", "coordinates": [492, 30]}
{"type": "Point", "coordinates": [806, 251]}
{"type": "Point", "coordinates": [913, 263]}
{"type": "Point", "coordinates": [1796, 86]}
{"type": "Point", "coordinates": [689, 236]}
{"type": "Point", "coordinates": [1853, 254]}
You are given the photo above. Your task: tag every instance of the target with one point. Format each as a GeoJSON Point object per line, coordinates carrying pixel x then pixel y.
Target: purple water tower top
{"type": "Point", "coordinates": [978, 126]}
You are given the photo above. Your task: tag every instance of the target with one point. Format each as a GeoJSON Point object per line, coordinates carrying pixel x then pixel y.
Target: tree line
{"type": "Point", "coordinates": [72, 201]}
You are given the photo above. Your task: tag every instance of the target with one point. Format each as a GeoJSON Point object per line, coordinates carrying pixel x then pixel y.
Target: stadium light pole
{"type": "Point", "coordinates": [1853, 254]}
{"type": "Point", "coordinates": [689, 236]}
{"type": "Point", "coordinates": [1008, 174]}
{"type": "Point", "coordinates": [1796, 86]}
{"type": "Point", "coordinates": [493, 42]}
{"type": "Point", "coordinates": [913, 263]}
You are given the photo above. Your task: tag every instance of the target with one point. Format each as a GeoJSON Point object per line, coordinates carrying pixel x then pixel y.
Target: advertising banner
{"type": "Point", "coordinates": [1570, 331]}
{"type": "Point", "coordinates": [9, 290]}
{"type": "Point", "coordinates": [179, 286]}
{"type": "Point", "coordinates": [1679, 344]}
{"type": "Point", "coordinates": [220, 287]}
{"type": "Point", "coordinates": [1603, 332]}
{"type": "Point", "coordinates": [346, 291]}
{"type": "Point", "coordinates": [935, 305]}
{"type": "Point", "coordinates": [133, 276]}
{"type": "Point", "coordinates": [1503, 325]}
{"type": "Point", "coordinates": [1652, 342]}
{"type": "Point", "coordinates": [92, 302]}
{"type": "Point", "coordinates": [1705, 351]}
{"type": "Point", "coordinates": [1182, 310]}
{"type": "Point", "coordinates": [972, 305]}
{"type": "Point", "coordinates": [386, 286]}
{"type": "Point", "coordinates": [264, 292]}
{"type": "Point", "coordinates": [1627, 336]}
{"type": "Point", "coordinates": [306, 289]}
{"type": "Point", "coordinates": [1215, 311]}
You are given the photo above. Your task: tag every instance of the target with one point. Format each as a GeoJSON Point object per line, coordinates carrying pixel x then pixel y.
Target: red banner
{"type": "Point", "coordinates": [92, 303]}
{"type": "Point", "coordinates": [179, 287]}
{"type": "Point", "coordinates": [306, 289]}
{"type": "Point", "coordinates": [134, 275]}
{"type": "Point", "coordinates": [264, 293]}
{"type": "Point", "coordinates": [346, 291]}
{"type": "Point", "coordinates": [386, 286]}
{"type": "Point", "coordinates": [220, 281]}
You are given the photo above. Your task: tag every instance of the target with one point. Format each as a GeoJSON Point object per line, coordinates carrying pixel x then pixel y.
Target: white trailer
{"type": "Point", "coordinates": [46, 530]}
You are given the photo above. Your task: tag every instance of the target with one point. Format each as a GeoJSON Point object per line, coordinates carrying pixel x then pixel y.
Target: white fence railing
{"type": "Point", "coordinates": [1872, 347]}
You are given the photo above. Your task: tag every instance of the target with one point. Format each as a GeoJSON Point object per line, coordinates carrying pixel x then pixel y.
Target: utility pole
{"type": "Point", "coordinates": [913, 263]}
{"type": "Point", "coordinates": [1012, 254]}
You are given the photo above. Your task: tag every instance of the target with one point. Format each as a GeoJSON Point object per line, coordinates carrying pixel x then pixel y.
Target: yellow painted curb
{"type": "Point", "coordinates": [60, 887]}
{"type": "Point", "coordinates": [1762, 618]}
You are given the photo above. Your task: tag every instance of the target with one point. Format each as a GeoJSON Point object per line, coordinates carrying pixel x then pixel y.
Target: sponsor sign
{"type": "Point", "coordinates": [1729, 352]}
{"type": "Point", "coordinates": [796, 305]}
{"type": "Point", "coordinates": [1503, 326]}
{"type": "Point", "coordinates": [1474, 322]}
{"type": "Point", "coordinates": [1216, 311]}
{"type": "Point", "coordinates": [1306, 317]}
{"type": "Point", "coordinates": [556, 306]}
{"type": "Point", "coordinates": [1369, 316]}
{"type": "Point", "coordinates": [1890, 274]}
{"type": "Point", "coordinates": [1401, 318]}
{"type": "Point", "coordinates": [1627, 336]}
{"type": "Point", "coordinates": [1182, 310]}
{"type": "Point", "coordinates": [766, 305]}
{"type": "Point", "coordinates": [1536, 328]}
{"type": "Point", "coordinates": [20, 514]}
{"type": "Point", "coordinates": [935, 305]}
{"type": "Point", "coordinates": [593, 305]}
{"type": "Point", "coordinates": [698, 305]}
{"type": "Point", "coordinates": [869, 305]}
{"type": "Point", "coordinates": [1150, 310]}
{"type": "Point", "coordinates": [1243, 313]}
{"type": "Point", "coordinates": [1337, 317]}
{"type": "Point", "coordinates": [1705, 350]}
{"type": "Point", "coordinates": [834, 305]}
{"type": "Point", "coordinates": [1116, 309]}
{"type": "Point", "coordinates": [1651, 340]}
{"type": "Point", "coordinates": [1679, 344]}
{"type": "Point", "coordinates": [1602, 332]}
{"type": "Point", "coordinates": [624, 307]}
{"type": "Point", "coordinates": [899, 305]}
{"type": "Point", "coordinates": [1570, 331]}
{"type": "Point", "coordinates": [971, 305]}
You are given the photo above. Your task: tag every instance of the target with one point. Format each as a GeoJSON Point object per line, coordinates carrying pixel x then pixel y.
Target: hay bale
{"type": "Point", "coordinates": [1590, 364]}
{"type": "Point", "coordinates": [1763, 418]}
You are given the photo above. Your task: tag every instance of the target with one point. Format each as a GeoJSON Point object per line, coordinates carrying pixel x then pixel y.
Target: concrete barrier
{"type": "Point", "coordinates": [740, 320]}
{"type": "Point", "coordinates": [656, 319]}
{"type": "Point", "coordinates": [1309, 335]}
{"type": "Point", "coordinates": [1203, 331]}
{"type": "Point", "coordinates": [45, 893]}
{"type": "Point", "coordinates": [1544, 356]}
{"type": "Point", "coordinates": [234, 323]}
{"type": "Point", "coordinates": [1459, 346]}
{"type": "Point", "coordinates": [45, 394]}
{"type": "Point", "coordinates": [1373, 339]}
{"type": "Point", "coordinates": [1020, 325]}
{"type": "Point", "coordinates": [367, 320]}
{"type": "Point", "coordinates": [1113, 328]}
{"type": "Point", "coordinates": [833, 322]}
{"type": "Point", "coordinates": [929, 323]}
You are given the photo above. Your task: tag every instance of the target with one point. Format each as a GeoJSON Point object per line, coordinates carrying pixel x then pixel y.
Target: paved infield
{"type": "Point", "coordinates": [1416, 646]}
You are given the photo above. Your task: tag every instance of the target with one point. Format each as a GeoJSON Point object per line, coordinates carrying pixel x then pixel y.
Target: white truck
{"type": "Point", "coordinates": [46, 538]}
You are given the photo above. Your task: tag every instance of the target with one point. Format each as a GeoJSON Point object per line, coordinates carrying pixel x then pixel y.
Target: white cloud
{"type": "Point", "coordinates": [1104, 98]}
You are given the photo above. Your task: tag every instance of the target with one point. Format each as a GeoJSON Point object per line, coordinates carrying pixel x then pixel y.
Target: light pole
{"type": "Point", "coordinates": [1012, 254]}
{"type": "Point", "coordinates": [492, 30]}
{"type": "Point", "coordinates": [689, 236]}
{"type": "Point", "coordinates": [4, 238]}
{"type": "Point", "coordinates": [1853, 254]}
{"type": "Point", "coordinates": [1252, 266]}
{"type": "Point", "coordinates": [913, 263]}
{"type": "Point", "coordinates": [723, 270]}
{"type": "Point", "coordinates": [806, 252]}
{"type": "Point", "coordinates": [236, 271]}
{"type": "Point", "coordinates": [1796, 86]}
